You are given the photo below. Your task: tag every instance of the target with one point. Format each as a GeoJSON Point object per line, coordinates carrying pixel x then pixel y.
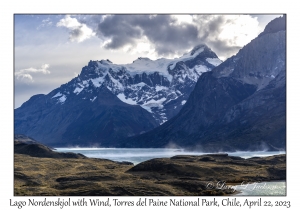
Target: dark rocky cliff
{"type": "Point", "coordinates": [240, 105]}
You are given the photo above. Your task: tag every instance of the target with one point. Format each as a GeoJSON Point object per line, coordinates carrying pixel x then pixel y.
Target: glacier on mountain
{"type": "Point", "coordinates": [159, 86]}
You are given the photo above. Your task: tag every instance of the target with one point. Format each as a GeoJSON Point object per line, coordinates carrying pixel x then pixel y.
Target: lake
{"type": "Point", "coordinates": [137, 155]}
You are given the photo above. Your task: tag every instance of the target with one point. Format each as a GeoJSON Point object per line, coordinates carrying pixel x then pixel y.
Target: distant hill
{"type": "Point", "coordinates": [28, 146]}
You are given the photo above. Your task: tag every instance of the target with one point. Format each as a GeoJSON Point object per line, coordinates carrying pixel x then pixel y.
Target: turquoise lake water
{"type": "Point", "coordinates": [137, 155]}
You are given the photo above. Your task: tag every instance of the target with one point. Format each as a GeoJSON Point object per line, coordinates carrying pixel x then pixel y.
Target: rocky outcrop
{"type": "Point", "coordinates": [28, 146]}
{"type": "Point", "coordinates": [41, 151]}
{"type": "Point", "coordinates": [258, 62]}
{"type": "Point", "coordinates": [24, 139]}
{"type": "Point", "coordinates": [278, 24]}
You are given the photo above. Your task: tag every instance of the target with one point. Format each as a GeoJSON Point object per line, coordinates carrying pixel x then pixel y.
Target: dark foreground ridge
{"type": "Point", "coordinates": [28, 146]}
{"type": "Point", "coordinates": [178, 175]}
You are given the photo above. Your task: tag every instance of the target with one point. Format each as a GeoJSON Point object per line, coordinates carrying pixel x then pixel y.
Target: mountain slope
{"type": "Point", "coordinates": [240, 105]}
{"type": "Point", "coordinates": [81, 122]}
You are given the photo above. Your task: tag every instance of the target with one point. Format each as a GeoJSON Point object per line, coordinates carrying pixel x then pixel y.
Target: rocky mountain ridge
{"type": "Point", "coordinates": [108, 102]}
{"type": "Point", "coordinates": [239, 105]}
{"type": "Point", "coordinates": [159, 86]}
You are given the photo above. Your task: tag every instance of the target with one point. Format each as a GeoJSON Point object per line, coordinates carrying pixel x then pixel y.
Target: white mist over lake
{"type": "Point", "coordinates": [137, 155]}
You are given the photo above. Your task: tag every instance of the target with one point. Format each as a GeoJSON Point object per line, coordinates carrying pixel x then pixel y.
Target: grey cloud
{"type": "Point", "coordinates": [221, 48]}
{"type": "Point", "coordinates": [209, 26]}
{"type": "Point", "coordinates": [167, 36]}
{"type": "Point", "coordinates": [120, 29]}
{"type": "Point", "coordinates": [215, 24]}
{"type": "Point", "coordinates": [161, 31]}
{"type": "Point", "coordinates": [78, 31]}
{"type": "Point", "coordinates": [90, 20]}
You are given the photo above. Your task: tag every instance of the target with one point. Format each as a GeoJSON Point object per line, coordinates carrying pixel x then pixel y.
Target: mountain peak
{"type": "Point", "coordinates": [278, 24]}
{"type": "Point", "coordinates": [197, 48]}
{"type": "Point", "coordinates": [139, 59]}
{"type": "Point", "coordinates": [122, 99]}
{"type": "Point", "coordinates": [107, 61]}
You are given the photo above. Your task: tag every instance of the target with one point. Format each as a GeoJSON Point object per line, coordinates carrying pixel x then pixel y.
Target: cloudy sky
{"type": "Point", "coordinates": [50, 50]}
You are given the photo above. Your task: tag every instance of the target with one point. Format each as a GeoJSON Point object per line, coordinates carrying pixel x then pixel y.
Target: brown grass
{"type": "Point", "coordinates": [167, 176]}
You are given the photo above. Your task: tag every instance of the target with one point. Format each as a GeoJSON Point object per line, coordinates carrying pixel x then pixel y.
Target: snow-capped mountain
{"type": "Point", "coordinates": [107, 102]}
{"type": "Point", "coordinates": [159, 86]}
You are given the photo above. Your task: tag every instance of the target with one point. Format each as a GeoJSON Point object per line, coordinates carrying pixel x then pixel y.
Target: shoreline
{"type": "Point", "coordinates": [151, 153]}
{"type": "Point", "coordinates": [185, 175]}
{"type": "Point", "coordinates": [39, 170]}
